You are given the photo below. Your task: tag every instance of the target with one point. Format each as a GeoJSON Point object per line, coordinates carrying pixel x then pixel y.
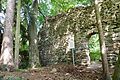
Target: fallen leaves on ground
{"type": "Point", "coordinates": [57, 72]}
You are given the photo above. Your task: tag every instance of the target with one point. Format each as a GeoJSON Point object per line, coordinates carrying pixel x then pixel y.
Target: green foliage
{"type": "Point", "coordinates": [24, 38]}
{"type": "Point", "coordinates": [94, 47]}
{"type": "Point", "coordinates": [64, 5]}
{"type": "Point", "coordinates": [24, 47]}
{"type": "Point", "coordinates": [3, 5]}
{"type": "Point", "coordinates": [95, 55]}
{"type": "Point", "coordinates": [44, 9]}
{"type": "Point", "coordinates": [54, 7]}
{"type": "Point", "coordinates": [41, 19]}
{"type": "Point", "coordinates": [61, 5]}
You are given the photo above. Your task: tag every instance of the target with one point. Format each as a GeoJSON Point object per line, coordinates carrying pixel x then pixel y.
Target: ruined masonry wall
{"type": "Point", "coordinates": [82, 22]}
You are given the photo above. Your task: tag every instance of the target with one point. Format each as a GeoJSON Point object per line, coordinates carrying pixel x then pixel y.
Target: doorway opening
{"type": "Point", "coordinates": [94, 47]}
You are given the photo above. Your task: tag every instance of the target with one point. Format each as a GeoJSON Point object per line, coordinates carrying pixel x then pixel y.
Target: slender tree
{"type": "Point", "coordinates": [0, 6]}
{"type": "Point", "coordinates": [17, 35]}
{"type": "Point", "coordinates": [106, 75]}
{"type": "Point", "coordinates": [6, 57]}
{"type": "Point", "coordinates": [33, 44]}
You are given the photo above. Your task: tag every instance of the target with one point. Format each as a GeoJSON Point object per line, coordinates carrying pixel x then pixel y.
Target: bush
{"type": "Point", "coordinates": [95, 55]}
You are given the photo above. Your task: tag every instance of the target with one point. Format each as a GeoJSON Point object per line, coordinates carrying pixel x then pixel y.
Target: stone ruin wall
{"type": "Point", "coordinates": [82, 22]}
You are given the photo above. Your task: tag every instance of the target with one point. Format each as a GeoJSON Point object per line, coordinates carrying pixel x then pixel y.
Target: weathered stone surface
{"type": "Point", "coordinates": [82, 22]}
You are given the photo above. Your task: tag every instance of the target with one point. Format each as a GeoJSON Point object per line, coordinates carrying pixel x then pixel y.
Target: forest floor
{"type": "Point", "coordinates": [57, 72]}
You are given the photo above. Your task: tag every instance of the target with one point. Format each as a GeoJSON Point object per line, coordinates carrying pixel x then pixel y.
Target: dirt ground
{"type": "Point", "coordinates": [57, 72]}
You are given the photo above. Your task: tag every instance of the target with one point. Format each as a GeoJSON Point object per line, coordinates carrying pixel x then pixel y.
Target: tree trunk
{"type": "Point", "coordinates": [106, 75]}
{"type": "Point", "coordinates": [17, 35]}
{"type": "Point", "coordinates": [0, 6]}
{"type": "Point", "coordinates": [6, 57]}
{"type": "Point", "coordinates": [33, 41]}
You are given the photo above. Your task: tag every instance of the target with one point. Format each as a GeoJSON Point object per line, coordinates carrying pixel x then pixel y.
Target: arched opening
{"type": "Point", "coordinates": [94, 47]}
